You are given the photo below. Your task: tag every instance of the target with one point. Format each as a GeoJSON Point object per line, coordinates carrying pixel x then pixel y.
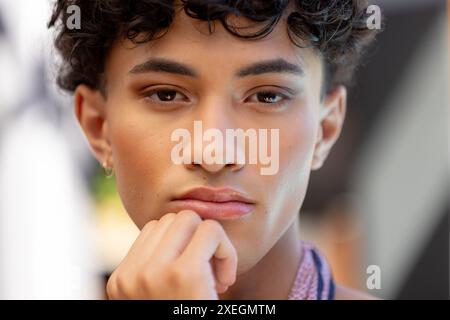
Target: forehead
{"type": "Point", "coordinates": [189, 40]}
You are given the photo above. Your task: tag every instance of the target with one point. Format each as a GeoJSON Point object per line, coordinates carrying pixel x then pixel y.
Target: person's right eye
{"type": "Point", "coordinates": [164, 96]}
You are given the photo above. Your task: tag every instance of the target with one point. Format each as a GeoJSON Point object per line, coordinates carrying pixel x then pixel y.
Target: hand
{"type": "Point", "coordinates": [177, 257]}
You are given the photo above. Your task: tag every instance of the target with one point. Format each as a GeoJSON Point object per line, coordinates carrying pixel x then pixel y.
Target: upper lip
{"type": "Point", "coordinates": [218, 195]}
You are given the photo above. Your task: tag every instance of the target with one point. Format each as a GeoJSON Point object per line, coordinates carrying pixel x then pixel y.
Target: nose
{"type": "Point", "coordinates": [214, 168]}
{"type": "Point", "coordinates": [211, 150]}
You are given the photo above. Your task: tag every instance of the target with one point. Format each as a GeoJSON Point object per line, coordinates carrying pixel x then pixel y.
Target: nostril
{"type": "Point", "coordinates": [191, 165]}
{"type": "Point", "coordinates": [234, 166]}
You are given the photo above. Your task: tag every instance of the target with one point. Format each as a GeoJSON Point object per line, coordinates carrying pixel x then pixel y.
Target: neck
{"type": "Point", "coordinates": [273, 276]}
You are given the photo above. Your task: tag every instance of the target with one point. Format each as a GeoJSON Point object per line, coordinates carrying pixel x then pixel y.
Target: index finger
{"type": "Point", "coordinates": [210, 241]}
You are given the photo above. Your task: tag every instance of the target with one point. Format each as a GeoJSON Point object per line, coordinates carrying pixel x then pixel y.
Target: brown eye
{"type": "Point", "coordinates": [166, 96]}
{"type": "Point", "coordinates": [268, 97]}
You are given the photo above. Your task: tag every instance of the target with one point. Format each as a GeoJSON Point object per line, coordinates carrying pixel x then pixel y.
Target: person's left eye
{"type": "Point", "coordinates": [269, 98]}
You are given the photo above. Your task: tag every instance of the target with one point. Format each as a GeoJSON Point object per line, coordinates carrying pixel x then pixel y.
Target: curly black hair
{"type": "Point", "coordinates": [336, 28]}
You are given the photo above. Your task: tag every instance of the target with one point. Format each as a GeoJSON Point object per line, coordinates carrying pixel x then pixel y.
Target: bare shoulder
{"type": "Point", "coordinates": [345, 293]}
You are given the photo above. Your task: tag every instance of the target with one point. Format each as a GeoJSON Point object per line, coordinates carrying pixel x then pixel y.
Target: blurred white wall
{"type": "Point", "coordinates": [46, 218]}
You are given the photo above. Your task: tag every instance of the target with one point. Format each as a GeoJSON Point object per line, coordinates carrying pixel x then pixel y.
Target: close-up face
{"type": "Point", "coordinates": [158, 87]}
{"type": "Point", "coordinates": [224, 150]}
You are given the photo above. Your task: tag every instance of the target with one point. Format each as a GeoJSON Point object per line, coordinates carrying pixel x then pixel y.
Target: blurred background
{"type": "Point", "coordinates": [381, 199]}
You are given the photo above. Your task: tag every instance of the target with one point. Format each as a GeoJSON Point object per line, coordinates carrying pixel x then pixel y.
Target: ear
{"type": "Point", "coordinates": [332, 115]}
{"type": "Point", "coordinates": [89, 107]}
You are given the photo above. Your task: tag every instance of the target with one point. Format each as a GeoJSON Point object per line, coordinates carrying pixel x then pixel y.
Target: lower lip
{"type": "Point", "coordinates": [215, 210]}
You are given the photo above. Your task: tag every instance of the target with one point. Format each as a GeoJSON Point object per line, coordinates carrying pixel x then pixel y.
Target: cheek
{"type": "Point", "coordinates": [297, 141]}
{"type": "Point", "coordinates": [288, 187]}
{"type": "Point", "coordinates": [282, 194]}
{"type": "Point", "coordinates": [141, 150]}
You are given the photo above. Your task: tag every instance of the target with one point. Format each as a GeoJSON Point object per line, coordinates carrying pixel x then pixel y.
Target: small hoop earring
{"type": "Point", "coordinates": [109, 171]}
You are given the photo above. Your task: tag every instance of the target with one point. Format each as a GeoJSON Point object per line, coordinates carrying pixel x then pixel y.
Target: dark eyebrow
{"type": "Point", "coordinates": [270, 66]}
{"type": "Point", "coordinates": [169, 66]}
{"type": "Point", "coordinates": [164, 65]}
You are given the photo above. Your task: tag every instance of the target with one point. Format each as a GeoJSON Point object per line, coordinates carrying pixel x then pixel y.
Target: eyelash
{"type": "Point", "coordinates": [284, 97]}
{"type": "Point", "coordinates": [275, 105]}
{"type": "Point", "coordinates": [148, 95]}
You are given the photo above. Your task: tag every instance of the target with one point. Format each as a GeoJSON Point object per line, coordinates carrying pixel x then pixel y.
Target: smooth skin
{"type": "Point", "coordinates": [177, 254]}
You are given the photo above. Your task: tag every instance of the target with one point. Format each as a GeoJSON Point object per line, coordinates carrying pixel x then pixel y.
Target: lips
{"type": "Point", "coordinates": [210, 203]}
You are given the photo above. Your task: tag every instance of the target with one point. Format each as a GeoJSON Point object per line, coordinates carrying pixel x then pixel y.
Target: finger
{"type": "Point", "coordinates": [149, 235]}
{"type": "Point", "coordinates": [142, 236]}
{"type": "Point", "coordinates": [154, 237]}
{"type": "Point", "coordinates": [210, 241]}
{"type": "Point", "coordinates": [220, 288]}
{"type": "Point", "coordinates": [177, 236]}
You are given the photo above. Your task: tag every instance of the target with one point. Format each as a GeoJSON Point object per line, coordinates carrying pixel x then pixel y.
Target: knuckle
{"type": "Point", "coordinates": [149, 225]}
{"type": "Point", "coordinates": [111, 287]}
{"type": "Point", "coordinates": [167, 216]}
{"type": "Point", "coordinates": [173, 278]}
{"type": "Point", "coordinates": [121, 284]}
{"type": "Point", "coordinates": [179, 275]}
{"type": "Point", "coordinates": [147, 281]}
{"type": "Point", "coordinates": [189, 215]}
{"type": "Point", "coordinates": [211, 226]}
{"type": "Point", "coordinates": [116, 285]}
